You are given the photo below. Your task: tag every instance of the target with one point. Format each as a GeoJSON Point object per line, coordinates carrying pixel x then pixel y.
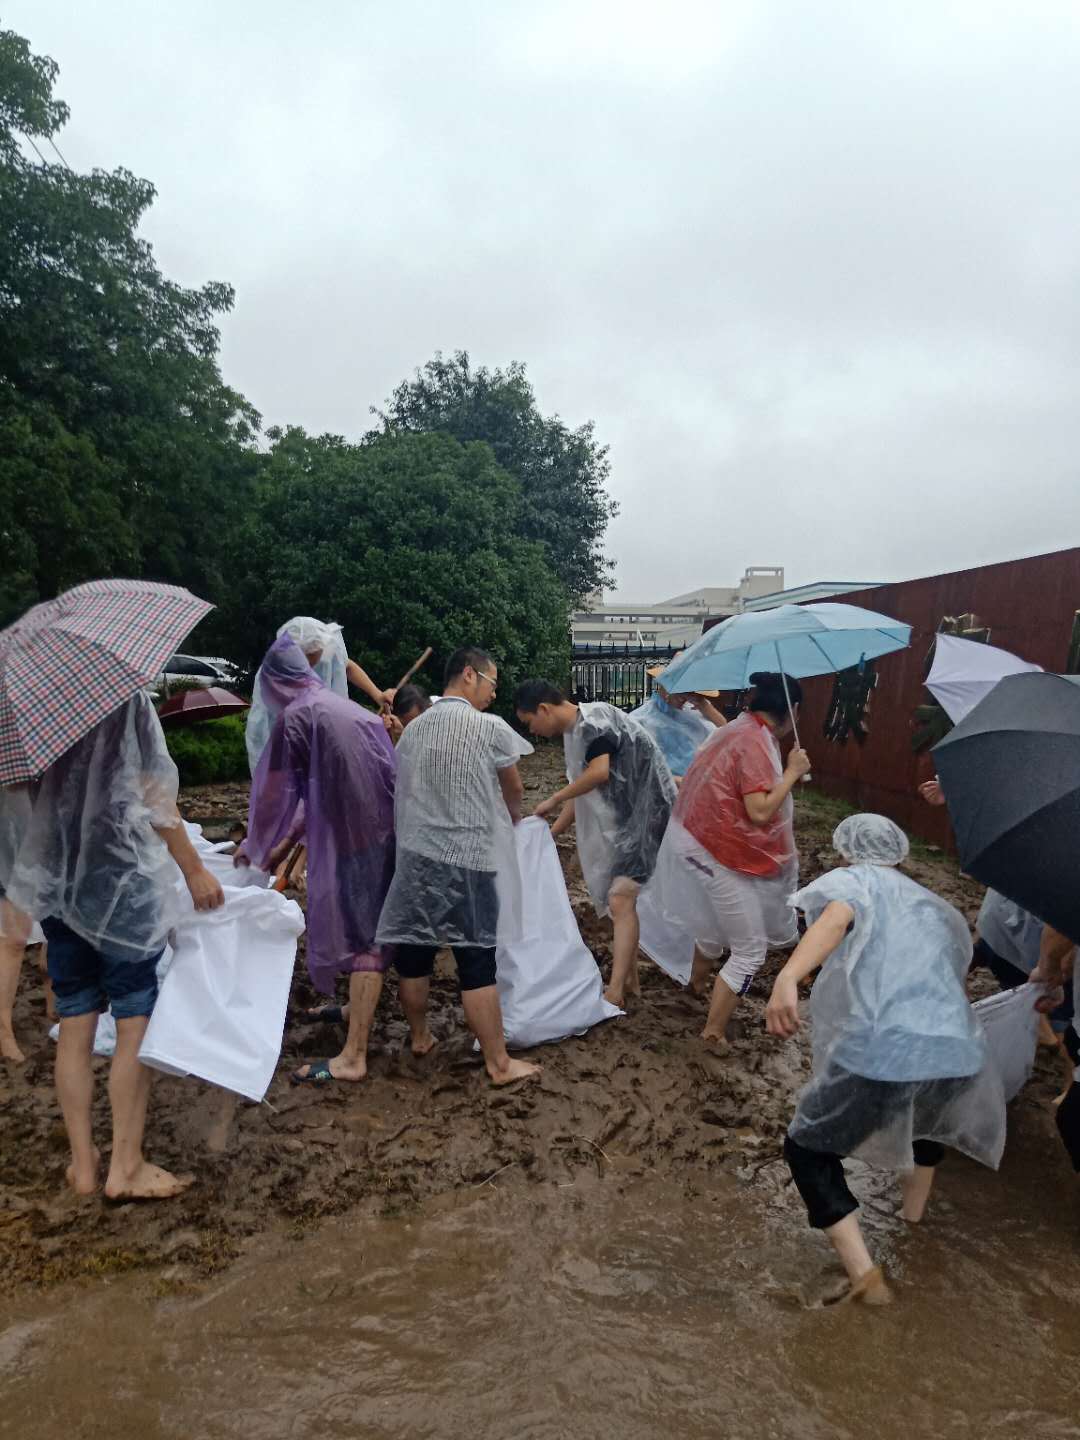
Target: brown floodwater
{"type": "Point", "coordinates": [604, 1307]}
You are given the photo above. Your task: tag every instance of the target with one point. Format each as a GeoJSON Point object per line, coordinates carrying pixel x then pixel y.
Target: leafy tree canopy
{"type": "Point", "coordinates": [565, 506]}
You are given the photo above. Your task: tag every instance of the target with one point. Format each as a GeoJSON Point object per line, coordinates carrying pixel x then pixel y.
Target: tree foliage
{"type": "Point", "coordinates": [406, 541]}
{"type": "Point", "coordinates": [565, 506]}
{"type": "Point", "coordinates": [118, 437]}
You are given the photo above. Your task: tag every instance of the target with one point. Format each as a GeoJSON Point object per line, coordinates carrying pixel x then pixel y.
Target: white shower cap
{"type": "Point", "coordinates": [310, 634]}
{"type": "Point", "coordinates": [870, 840]}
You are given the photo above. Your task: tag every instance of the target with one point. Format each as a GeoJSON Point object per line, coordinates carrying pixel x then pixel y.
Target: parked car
{"type": "Point", "coordinates": [198, 670]}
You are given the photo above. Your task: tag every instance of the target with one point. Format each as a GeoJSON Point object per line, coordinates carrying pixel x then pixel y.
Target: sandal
{"type": "Point", "coordinates": [319, 1073]}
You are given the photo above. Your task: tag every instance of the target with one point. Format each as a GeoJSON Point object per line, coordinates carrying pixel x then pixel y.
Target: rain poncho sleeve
{"type": "Point", "coordinates": [457, 880]}
{"type": "Point", "coordinates": [620, 825]}
{"type": "Point", "coordinates": [898, 1053]}
{"type": "Point", "coordinates": [1011, 932]}
{"type": "Point", "coordinates": [90, 855]}
{"type": "Point", "coordinates": [680, 733]}
{"type": "Point", "coordinates": [312, 636]}
{"type": "Point", "coordinates": [329, 771]}
{"type": "Point", "coordinates": [15, 810]}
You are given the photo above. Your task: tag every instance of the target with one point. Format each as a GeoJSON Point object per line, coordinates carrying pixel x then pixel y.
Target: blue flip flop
{"type": "Point", "coordinates": [323, 1015]}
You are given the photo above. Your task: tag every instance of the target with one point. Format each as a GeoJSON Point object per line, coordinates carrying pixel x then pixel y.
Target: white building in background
{"type": "Point", "coordinates": [679, 621]}
{"type": "Point", "coordinates": [675, 622]}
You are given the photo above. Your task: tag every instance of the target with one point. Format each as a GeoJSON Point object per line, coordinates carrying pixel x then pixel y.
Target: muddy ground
{"type": "Point", "coordinates": [636, 1097]}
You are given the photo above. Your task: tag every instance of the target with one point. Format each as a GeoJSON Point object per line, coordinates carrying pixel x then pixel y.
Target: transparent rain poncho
{"type": "Point", "coordinates": [89, 854]}
{"type": "Point", "coordinates": [15, 811]}
{"type": "Point", "coordinates": [719, 875]}
{"type": "Point", "coordinates": [314, 637]}
{"type": "Point", "coordinates": [457, 880]}
{"type": "Point", "coordinates": [899, 1055]}
{"type": "Point", "coordinates": [326, 776]}
{"type": "Point", "coordinates": [621, 824]}
{"type": "Point", "coordinates": [1011, 932]}
{"type": "Point", "coordinates": [680, 733]}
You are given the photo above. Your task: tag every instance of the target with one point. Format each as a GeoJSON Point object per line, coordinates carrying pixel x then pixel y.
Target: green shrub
{"type": "Point", "coordinates": [209, 752]}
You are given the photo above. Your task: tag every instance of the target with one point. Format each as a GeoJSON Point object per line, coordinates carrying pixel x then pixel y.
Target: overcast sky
{"type": "Point", "coordinates": [813, 269]}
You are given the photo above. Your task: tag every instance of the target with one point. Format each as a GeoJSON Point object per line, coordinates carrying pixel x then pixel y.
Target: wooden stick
{"type": "Point", "coordinates": [424, 658]}
{"type": "Point", "coordinates": [286, 872]}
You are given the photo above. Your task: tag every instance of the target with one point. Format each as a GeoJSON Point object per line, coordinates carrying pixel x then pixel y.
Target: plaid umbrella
{"type": "Point", "coordinates": [71, 661]}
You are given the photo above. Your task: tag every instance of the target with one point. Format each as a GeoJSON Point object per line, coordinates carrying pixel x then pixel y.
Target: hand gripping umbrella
{"type": "Point", "coordinates": [796, 640]}
{"type": "Point", "coordinates": [71, 661]}
{"type": "Point", "coordinates": [1011, 776]}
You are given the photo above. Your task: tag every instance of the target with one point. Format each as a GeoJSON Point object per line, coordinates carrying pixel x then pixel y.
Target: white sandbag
{"type": "Point", "coordinates": [664, 939]}
{"type": "Point", "coordinates": [37, 935]}
{"type": "Point", "coordinates": [221, 1011]}
{"type": "Point", "coordinates": [1011, 1023]}
{"type": "Point", "coordinates": [218, 860]}
{"type": "Point", "coordinates": [548, 982]}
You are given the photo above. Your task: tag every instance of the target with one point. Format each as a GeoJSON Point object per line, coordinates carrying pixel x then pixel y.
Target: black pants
{"type": "Point", "coordinates": [821, 1182]}
{"type": "Point", "coordinates": [1068, 1114]}
{"type": "Point", "coordinates": [475, 966]}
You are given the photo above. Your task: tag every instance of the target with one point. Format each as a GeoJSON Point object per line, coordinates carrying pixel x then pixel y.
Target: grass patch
{"type": "Point", "coordinates": [211, 752]}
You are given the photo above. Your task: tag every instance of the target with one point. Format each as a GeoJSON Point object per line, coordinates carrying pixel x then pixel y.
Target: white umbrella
{"type": "Point", "coordinates": [964, 671]}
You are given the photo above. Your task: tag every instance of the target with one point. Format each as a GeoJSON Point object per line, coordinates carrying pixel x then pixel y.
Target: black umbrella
{"type": "Point", "coordinates": [1011, 776]}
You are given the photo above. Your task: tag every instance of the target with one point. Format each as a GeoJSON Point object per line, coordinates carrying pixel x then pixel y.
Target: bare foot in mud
{"type": "Point", "coordinates": [618, 997]}
{"type": "Point", "coordinates": [147, 1182]}
{"type": "Point", "coordinates": [513, 1071]}
{"type": "Point", "coordinates": [9, 1048]}
{"type": "Point", "coordinates": [715, 1043]}
{"type": "Point", "coordinates": [424, 1045]}
{"type": "Point", "coordinates": [84, 1182]}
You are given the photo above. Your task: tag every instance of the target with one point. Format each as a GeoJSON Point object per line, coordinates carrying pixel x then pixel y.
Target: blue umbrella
{"type": "Point", "coordinates": [796, 640]}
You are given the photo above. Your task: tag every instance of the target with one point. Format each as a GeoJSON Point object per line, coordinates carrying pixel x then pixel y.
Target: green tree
{"type": "Point", "coordinates": [565, 506]}
{"type": "Point", "coordinates": [113, 413]}
{"type": "Point", "coordinates": [406, 541]}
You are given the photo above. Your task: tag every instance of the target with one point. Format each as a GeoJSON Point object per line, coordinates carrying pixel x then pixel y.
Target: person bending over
{"type": "Point", "coordinates": [900, 1060]}
{"type": "Point", "coordinates": [619, 797]}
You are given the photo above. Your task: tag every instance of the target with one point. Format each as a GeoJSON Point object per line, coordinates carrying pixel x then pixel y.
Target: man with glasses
{"type": "Point", "coordinates": [458, 797]}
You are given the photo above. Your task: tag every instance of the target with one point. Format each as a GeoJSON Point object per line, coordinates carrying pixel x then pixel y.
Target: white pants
{"type": "Point", "coordinates": [727, 910]}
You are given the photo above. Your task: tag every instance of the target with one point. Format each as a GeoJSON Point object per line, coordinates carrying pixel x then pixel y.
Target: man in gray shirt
{"type": "Point", "coordinates": [457, 799]}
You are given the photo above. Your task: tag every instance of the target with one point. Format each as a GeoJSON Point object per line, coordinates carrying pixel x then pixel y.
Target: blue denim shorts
{"type": "Point", "coordinates": [85, 980]}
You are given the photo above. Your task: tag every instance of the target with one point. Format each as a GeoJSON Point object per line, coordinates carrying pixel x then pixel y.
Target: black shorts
{"type": "Point", "coordinates": [475, 965]}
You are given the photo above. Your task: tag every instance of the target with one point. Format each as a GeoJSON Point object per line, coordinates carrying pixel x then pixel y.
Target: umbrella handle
{"type": "Point", "coordinates": [804, 779]}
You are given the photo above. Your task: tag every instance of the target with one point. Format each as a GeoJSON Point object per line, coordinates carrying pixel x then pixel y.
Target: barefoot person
{"type": "Point", "coordinates": [458, 795]}
{"type": "Point", "coordinates": [619, 796]}
{"type": "Point", "coordinates": [96, 862]}
{"type": "Point", "coordinates": [326, 776]}
{"type": "Point", "coordinates": [729, 864]}
{"type": "Point", "coordinates": [899, 1056]}
{"type": "Point", "coordinates": [321, 642]}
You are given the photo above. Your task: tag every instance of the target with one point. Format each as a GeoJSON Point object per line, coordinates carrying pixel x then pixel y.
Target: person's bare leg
{"type": "Point", "coordinates": [624, 949]}
{"type": "Point", "coordinates": [75, 1091]}
{"type": "Point", "coordinates": [129, 1092]}
{"type": "Point", "coordinates": [915, 1186]}
{"type": "Point", "coordinates": [217, 1136]}
{"type": "Point", "coordinates": [365, 987]}
{"type": "Point", "coordinates": [414, 1002]}
{"type": "Point", "coordinates": [867, 1283]}
{"type": "Point", "coordinates": [11, 958]}
{"type": "Point", "coordinates": [483, 1015]}
{"type": "Point", "coordinates": [721, 1009]}
{"type": "Point", "coordinates": [700, 973]}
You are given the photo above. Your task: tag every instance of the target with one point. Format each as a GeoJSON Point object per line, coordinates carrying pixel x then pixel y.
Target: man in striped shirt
{"type": "Point", "coordinates": [458, 797]}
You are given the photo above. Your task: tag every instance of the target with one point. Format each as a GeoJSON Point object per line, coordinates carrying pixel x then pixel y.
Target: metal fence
{"type": "Point", "coordinates": [617, 674]}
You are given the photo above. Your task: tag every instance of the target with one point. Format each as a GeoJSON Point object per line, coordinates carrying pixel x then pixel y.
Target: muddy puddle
{"type": "Point", "coordinates": [601, 1308]}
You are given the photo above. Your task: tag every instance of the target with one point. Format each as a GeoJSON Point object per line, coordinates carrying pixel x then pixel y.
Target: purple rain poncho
{"type": "Point", "coordinates": [326, 777]}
